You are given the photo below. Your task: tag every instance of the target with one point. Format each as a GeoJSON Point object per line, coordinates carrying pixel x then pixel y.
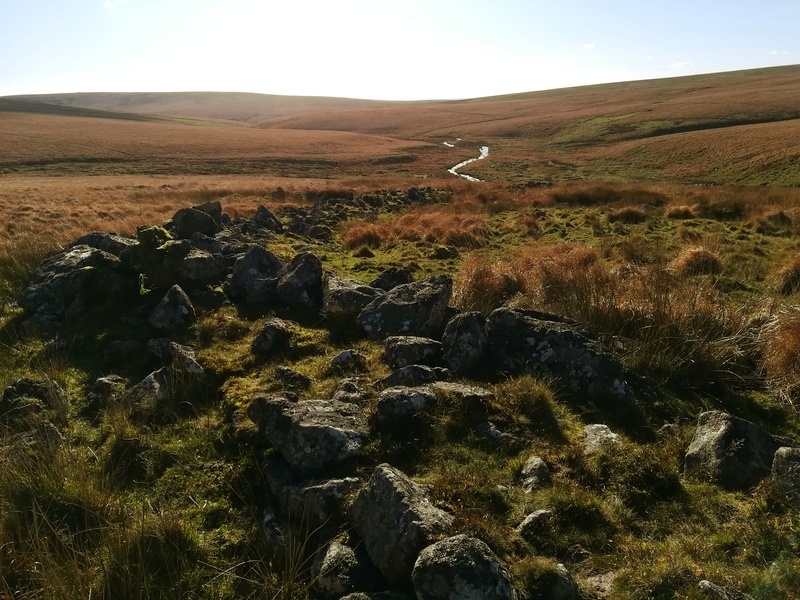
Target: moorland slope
{"type": "Point", "coordinates": [740, 127]}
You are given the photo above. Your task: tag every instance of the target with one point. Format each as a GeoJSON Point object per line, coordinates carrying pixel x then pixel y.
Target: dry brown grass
{"type": "Point", "coordinates": [679, 211]}
{"type": "Point", "coordinates": [787, 279]}
{"type": "Point", "coordinates": [484, 285]}
{"type": "Point", "coordinates": [628, 214]}
{"type": "Point", "coordinates": [697, 261]}
{"type": "Point", "coordinates": [780, 352]}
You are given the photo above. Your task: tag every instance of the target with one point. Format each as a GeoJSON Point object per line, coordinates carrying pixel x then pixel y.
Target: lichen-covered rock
{"type": "Point", "coordinates": [550, 581]}
{"type": "Point", "coordinates": [413, 375]}
{"type": "Point", "coordinates": [79, 275]}
{"type": "Point", "coordinates": [535, 474]}
{"type": "Point", "coordinates": [391, 277]}
{"type": "Point", "coordinates": [395, 519]}
{"type": "Point", "coordinates": [275, 336]}
{"type": "Point", "coordinates": [729, 451]}
{"type": "Point", "coordinates": [404, 350]}
{"type": "Point", "coordinates": [786, 468]}
{"type": "Point", "coordinates": [174, 313]}
{"type": "Point", "coordinates": [474, 401]}
{"type": "Point", "coordinates": [312, 434]}
{"type": "Point", "coordinates": [317, 504]}
{"type": "Point", "coordinates": [107, 242]}
{"type": "Point", "coordinates": [200, 268]}
{"type": "Point", "coordinates": [348, 361]}
{"type": "Point", "coordinates": [719, 592]}
{"type": "Point", "coordinates": [465, 343]}
{"type": "Point", "coordinates": [188, 221]}
{"type": "Point", "coordinates": [26, 398]}
{"type": "Point", "coordinates": [411, 309]}
{"type": "Point", "coordinates": [548, 346]}
{"type": "Point", "coordinates": [597, 436]}
{"type": "Point", "coordinates": [461, 568]}
{"type": "Point", "coordinates": [338, 571]}
{"type": "Point", "coordinates": [300, 283]}
{"type": "Point", "coordinates": [343, 299]}
{"type": "Point", "coordinates": [397, 406]}
{"type": "Point", "coordinates": [535, 523]}
{"type": "Point", "coordinates": [254, 277]}
{"type": "Point", "coordinates": [291, 379]}
{"type": "Point", "coordinates": [266, 220]}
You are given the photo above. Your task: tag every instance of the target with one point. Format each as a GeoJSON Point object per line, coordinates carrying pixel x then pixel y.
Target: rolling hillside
{"type": "Point", "coordinates": [740, 127]}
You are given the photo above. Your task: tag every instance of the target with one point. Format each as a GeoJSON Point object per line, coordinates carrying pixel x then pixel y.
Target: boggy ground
{"type": "Point", "coordinates": [693, 287]}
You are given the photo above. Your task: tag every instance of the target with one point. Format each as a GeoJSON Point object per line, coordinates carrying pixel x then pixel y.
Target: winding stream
{"type": "Point", "coordinates": [454, 170]}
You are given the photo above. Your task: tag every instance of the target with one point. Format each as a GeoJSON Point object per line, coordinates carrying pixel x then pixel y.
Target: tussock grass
{"type": "Point", "coordinates": [679, 211]}
{"type": "Point", "coordinates": [697, 261]}
{"type": "Point", "coordinates": [787, 279]}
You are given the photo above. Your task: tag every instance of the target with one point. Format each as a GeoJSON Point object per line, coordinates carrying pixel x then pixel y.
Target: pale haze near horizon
{"type": "Point", "coordinates": [380, 49]}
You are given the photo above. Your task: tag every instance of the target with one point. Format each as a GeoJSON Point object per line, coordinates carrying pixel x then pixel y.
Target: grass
{"type": "Point", "coordinates": [174, 507]}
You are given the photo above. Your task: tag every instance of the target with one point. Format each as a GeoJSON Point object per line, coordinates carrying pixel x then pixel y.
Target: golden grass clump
{"type": "Point", "coordinates": [780, 352]}
{"type": "Point", "coordinates": [697, 261]}
{"type": "Point", "coordinates": [362, 233]}
{"type": "Point", "coordinates": [679, 211]}
{"type": "Point", "coordinates": [788, 278]}
{"type": "Point", "coordinates": [628, 214]}
{"type": "Point", "coordinates": [484, 285]}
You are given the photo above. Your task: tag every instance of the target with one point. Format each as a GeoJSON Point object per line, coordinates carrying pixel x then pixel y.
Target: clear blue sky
{"type": "Point", "coordinates": [386, 49]}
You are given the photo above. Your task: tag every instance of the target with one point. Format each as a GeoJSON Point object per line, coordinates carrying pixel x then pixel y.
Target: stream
{"type": "Point", "coordinates": [454, 170]}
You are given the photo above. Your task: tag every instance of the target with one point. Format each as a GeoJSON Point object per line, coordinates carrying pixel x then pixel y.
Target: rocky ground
{"type": "Point", "coordinates": [339, 386]}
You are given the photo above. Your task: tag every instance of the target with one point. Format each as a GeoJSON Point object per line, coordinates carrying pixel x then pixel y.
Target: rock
{"type": "Point", "coordinates": [597, 436]}
{"type": "Point", "coordinates": [395, 520]}
{"type": "Point", "coordinates": [343, 299]}
{"type": "Point", "coordinates": [786, 468]}
{"type": "Point", "coordinates": [397, 406]}
{"type": "Point", "coordinates": [266, 220]}
{"type": "Point", "coordinates": [535, 523]}
{"type": "Point", "coordinates": [81, 277]}
{"type": "Point", "coordinates": [155, 399]}
{"type": "Point", "coordinates": [275, 336]}
{"type": "Point", "coordinates": [312, 434]}
{"type": "Point", "coordinates": [392, 277]}
{"type": "Point", "coordinates": [460, 568]}
{"type": "Point", "coordinates": [317, 504]}
{"type": "Point", "coordinates": [348, 361]}
{"type": "Point", "coordinates": [444, 253]}
{"type": "Point", "coordinates": [27, 398]}
{"type": "Point", "coordinates": [107, 242]}
{"type": "Point", "coordinates": [718, 592]}
{"type": "Point", "coordinates": [465, 343]}
{"type": "Point", "coordinates": [108, 386]}
{"type": "Point", "coordinates": [200, 268]}
{"type": "Point", "coordinates": [729, 451]}
{"type": "Point", "coordinates": [413, 375]}
{"type": "Point", "coordinates": [188, 221]}
{"type": "Point", "coordinates": [213, 209]}
{"type": "Point", "coordinates": [174, 313]}
{"type": "Point", "coordinates": [291, 379]}
{"type": "Point", "coordinates": [404, 350]}
{"type": "Point", "coordinates": [535, 474]}
{"type": "Point", "coordinates": [546, 346]}
{"type": "Point", "coordinates": [550, 581]}
{"type": "Point", "coordinates": [184, 362]}
{"type": "Point", "coordinates": [474, 401]}
{"type": "Point", "coordinates": [254, 277]}
{"type": "Point", "coordinates": [350, 391]}
{"type": "Point", "coordinates": [338, 571]}
{"type": "Point", "coordinates": [300, 284]}
{"type": "Point", "coordinates": [410, 309]}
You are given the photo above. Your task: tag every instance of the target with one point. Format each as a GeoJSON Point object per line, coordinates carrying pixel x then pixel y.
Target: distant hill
{"type": "Point", "coordinates": [739, 127]}
{"type": "Point", "coordinates": [225, 106]}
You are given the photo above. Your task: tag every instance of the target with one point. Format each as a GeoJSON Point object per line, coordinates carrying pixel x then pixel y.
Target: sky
{"type": "Point", "coordinates": [381, 49]}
